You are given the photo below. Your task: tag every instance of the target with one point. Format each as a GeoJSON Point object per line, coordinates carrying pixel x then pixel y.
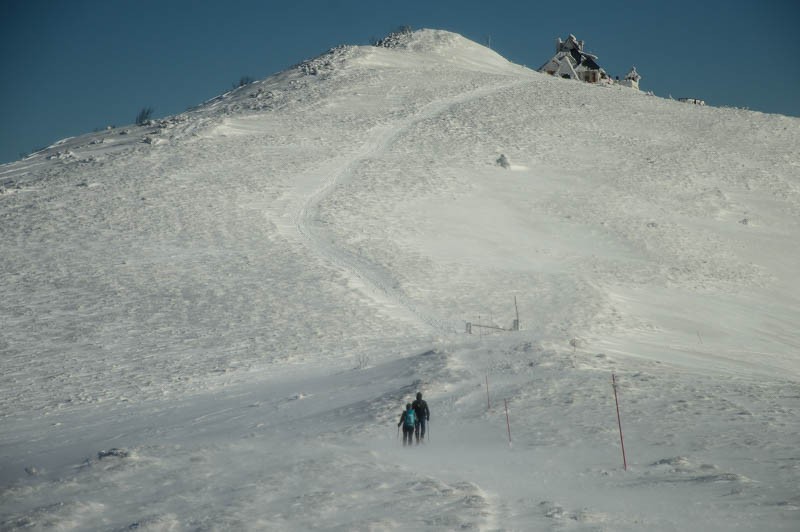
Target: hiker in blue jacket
{"type": "Point", "coordinates": [423, 415]}
{"type": "Point", "coordinates": [408, 419]}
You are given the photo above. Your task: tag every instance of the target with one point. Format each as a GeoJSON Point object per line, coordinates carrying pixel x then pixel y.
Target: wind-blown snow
{"type": "Point", "coordinates": [240, 299]}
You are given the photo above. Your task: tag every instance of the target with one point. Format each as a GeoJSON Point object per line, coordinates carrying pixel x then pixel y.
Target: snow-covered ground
{"type": "Point", "coordinates": [239, 300]}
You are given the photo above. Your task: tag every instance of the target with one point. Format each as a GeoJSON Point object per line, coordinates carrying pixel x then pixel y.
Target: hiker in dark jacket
{"type": "Point", "coordinates": [408, 420]}
{"type": "Point", "coordinates": [423, 416]}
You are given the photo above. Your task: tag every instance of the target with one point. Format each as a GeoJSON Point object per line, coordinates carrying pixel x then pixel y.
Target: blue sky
{"type": "Point", "coordinates": [69, 67]}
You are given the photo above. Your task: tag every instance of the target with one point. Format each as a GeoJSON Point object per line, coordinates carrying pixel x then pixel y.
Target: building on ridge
{"type": "Point", "coordinates": [695, 101]}
{"type": "Point", "coordinates": [571, 61]}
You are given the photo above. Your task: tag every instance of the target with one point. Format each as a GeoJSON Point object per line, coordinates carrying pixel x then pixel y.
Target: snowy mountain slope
{"type": "Point", "coordinates": [243, 296]}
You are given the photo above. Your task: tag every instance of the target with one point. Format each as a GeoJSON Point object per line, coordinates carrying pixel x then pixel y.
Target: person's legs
{"type": "Point", "coordinates": [421, 428]}
{"type": "Point", "coordinates": [416, 429]}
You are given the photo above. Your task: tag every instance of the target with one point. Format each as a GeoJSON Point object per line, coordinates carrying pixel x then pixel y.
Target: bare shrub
{"type": "Point", "coordinates": [144, 116]}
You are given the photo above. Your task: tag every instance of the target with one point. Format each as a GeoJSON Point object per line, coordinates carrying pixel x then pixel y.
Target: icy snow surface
{"type": "Point", "coordinates": [212, 321]}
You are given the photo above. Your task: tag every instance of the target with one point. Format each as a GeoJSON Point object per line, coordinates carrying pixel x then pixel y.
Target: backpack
{"type": "Point", "coordinates": [410, 418]}
{"type": "Point", "coordinates": [420, 407]}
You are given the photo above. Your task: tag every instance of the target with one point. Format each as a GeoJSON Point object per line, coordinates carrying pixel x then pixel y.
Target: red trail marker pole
{"type": "Point", "coordinates": [619, 422]}
{"type": "Point", "coordinates": [508, 424]}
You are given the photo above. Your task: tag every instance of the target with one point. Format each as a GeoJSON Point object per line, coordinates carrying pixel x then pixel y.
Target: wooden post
{"type": "Point", "coordinates": [516, 309]}
{"type": "Point", "coordinates": [508, 424]}
{"type": "Point", "coordinates": [488, 403]}
{"type": "Point", "coordinates": [619, 422]}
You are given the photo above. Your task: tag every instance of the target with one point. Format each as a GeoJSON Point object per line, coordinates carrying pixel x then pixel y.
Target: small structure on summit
{"type": "Point", "coordinates": [571, 61]}
{"type": "Point", "coordinates": [631, 79]}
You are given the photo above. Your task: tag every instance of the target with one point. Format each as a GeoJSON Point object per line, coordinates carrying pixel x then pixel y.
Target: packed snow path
{"type": "Point", "coordinates": [376, 282]}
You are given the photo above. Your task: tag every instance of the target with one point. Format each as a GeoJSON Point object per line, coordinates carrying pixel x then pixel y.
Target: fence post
{"type": "Point", "coordinates": [619, 422]}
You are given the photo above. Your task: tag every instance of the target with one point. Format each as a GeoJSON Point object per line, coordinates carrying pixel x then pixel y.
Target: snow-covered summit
{"type": "Point", "coordinates": [421, 51]}
{"type": "Point", "coordinates": [431, 40]}
{"type": "Point", "coordinates": [451, 47]}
